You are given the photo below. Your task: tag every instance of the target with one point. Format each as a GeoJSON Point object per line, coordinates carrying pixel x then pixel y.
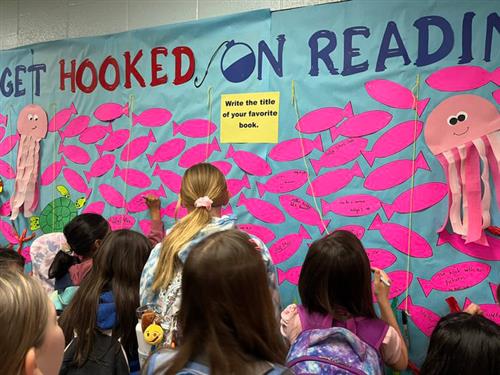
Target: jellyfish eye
{"type": "Point", "coordinates": [35, 117]}
{"type": "Point", "coordinates": [30, 117]}
{"type": "Point", "coordinates": [452, 120]}
{"type": "Point", "coordinates": [462, 116]}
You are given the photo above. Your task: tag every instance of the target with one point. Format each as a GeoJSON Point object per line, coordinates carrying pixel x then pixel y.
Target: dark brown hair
{"type": "Point", "coordinates": [10, 257]}
{"type": "Point", "coordinates": [117, 267]}
{"type": "Point", "coordinates": [336, 276]}
{"type": "Point", "coordinates": [227, 312]}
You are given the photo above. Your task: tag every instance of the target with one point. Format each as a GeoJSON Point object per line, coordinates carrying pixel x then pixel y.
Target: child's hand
{"type": "Point", "coordinates": [473, 309]}
{"type": "Point", "coordinates": [380, 289]}
{"type": "Point", "coordinates": [153, 203]}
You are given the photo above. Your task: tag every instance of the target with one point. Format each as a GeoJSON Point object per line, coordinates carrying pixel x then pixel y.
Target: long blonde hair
{"type": "Point", "coordinates": [198, 181]}
{"type": "Point", "coordinates": [24, 313]}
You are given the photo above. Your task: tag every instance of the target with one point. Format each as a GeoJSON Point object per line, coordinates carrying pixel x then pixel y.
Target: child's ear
{"type": "Point", "coordinates": [30, 363]}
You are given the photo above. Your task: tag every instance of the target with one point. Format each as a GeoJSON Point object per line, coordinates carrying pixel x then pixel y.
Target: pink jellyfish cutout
{"type": "Point", "coordinates": [32, 125]}
{"type": "Point", "coordinates": [462, 131]}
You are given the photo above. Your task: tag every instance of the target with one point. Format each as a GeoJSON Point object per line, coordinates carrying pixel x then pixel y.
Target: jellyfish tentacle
{"type": "Point", "coordinates": [492, 142]}
{"type": "Point", "coordinates": [29, 200]}
{"type": "Point", "coordinates": [455, 186]}
{"type": "Point", "coordinates": [485, 178]}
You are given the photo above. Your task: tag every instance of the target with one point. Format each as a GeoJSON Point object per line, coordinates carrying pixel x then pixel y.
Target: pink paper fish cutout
{"type": "Point", "coordinates": [112, 196]}
{"type": "Point", "coordinates": [424, 197]}
{"type": "Point", "coordinates": [400, 281]}
{"type": "Point", "coordinates": [235, 186]}
{"type": "Point", "coordinates": [362, 124]}
{"type": "Point", "coordinates": [167, 151]}
{"type": "Point", "coordinates": [76, 181]}
{"type": "Point", "coordinates": [8, 144]}
{"type": "Point", "coordinates": [100, 167]}
{"type": "Point", "coordinates": [137, 147]}
{"type": "Point", "coordinates": [121, 221]}
{"type": "Point", "coordinates": [291, 275]}
{"type": "Point", "coordinates": [394, 140]}
{"type": "Point", "coordinates": [397, 236]}
{"type": "Point", "coordinates": [138, 203]}
{"type": "Point", "coordinates": [94, 208]}
{"type": "Point", "coordinates": [114, 141]}
{"type": "Point", "coordinates": [496, 95]}
{"type": "Point", "coordinates": [170, 211]}
{"type": "Point", "coordinates": [227, 210]}
{"type": "Point", "coordinates": [323, 118]}
{"type": "Point", "coordinates": [394, 95]}
{"type": "Point", "coordinates": [462, 78]}
{"type": "Point", "coordinates": [2, 132]}
{"type": "Point", "coordinates": [152, 117]}
{"type": "Point", "coordinates": [6, 170]}
{"type": "Point", "coordinates": [394, 173]}
{"type": "Point", "coordinates": [494, 288]}
{"type": "Point", "coordinates": [223, 166]}
{"type": "Point", "coordinates": [472, 249]}
{"type": "Point", "coordinates": [249, 162]}
{"type": "Point", "coordinates": [110, 111]}
{"type": "Point", "coordinates": [26, 253]}
{"type": "Point", "coordinates": [490, 311]}
{"type": "Point", "coordinates": [261, 209]}
{"type": "Point", "coordinates": [198, 154]}
{"type": "Point", "coordinates": [195, 128]}
{"type": "Point", "coordinates": [425, 319]}
{"type": "Point", "coordinates": [5, 209]}
{"type": "Point", "coordinates": [295, 148]}
{"type": "Point", "coordinates": [95, 133]}
{"type": "Point", "coordinates": [61, 118]}
{"type": "Point", "coordinates": [74, 153]}
{"type": "Point", "coordinates": [380, 258]}
{"type": "Point", "coordinates": [357, 230]}
{"type": "Point", "coordinates": [286, 246]}
{"type": "Point", "coordinates": [133, 177]}
{"type": "Point", "coordinates": [75, 127]}
{"type": "Point", "coordinates": [170, 179]}
{"type": "Point", "coordinates": [340, 153]}
{"type": "Point", "coordinates": [352, 205]}
{"type": "Point", "coordinates": [333, 181]}
{"type": "Point", "coordinates": [302, 211]}
{"type": "Point", "coordinates": [456, 277]}
{"type": "Point", "coordinates": [283, 182]}
{"type": "Point", "coordinates": [145, 226]}
{"type": "Point", "coordinates": [51, 172]}
{"type": "Point", "coordinates": [8, 232]}
{"type": "Point", "coordinates": [265, 234]}
{"type": "Point", "coordinates": [3, 119]}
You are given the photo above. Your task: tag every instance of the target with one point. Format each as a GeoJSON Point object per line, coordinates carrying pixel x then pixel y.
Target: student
{"type": "Point", "coordinates": [11, 259]}
{"type": "Point", "coordinates": [31, 342]}
{"type": "Point", "coordinates": [335, 289]}
{"type": "Point", "coordinates": [463, 344]}
{"type": "Point", "coordinates": [157, 231]}
{"type": "Point", "coordinates": [227, 314]}
{"type": "Point", "coordinates": [203, 193]}
{"type": "Point", "coordinates": [104, 306]}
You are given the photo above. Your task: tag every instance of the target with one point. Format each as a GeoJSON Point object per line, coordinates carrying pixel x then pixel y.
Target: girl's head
{"type": "Point", "coordinates": [336, 274]}
{"type": "Point", "coordinates": [226, 310]}
{"type": "Point", "coordinates": [85, 233]}
{"type": "Point", "coordinates": [31, 341]}
{"type": "Point", "coordinates": [11, 259]}
{"type": "Point", "coordinates": [200, 180]}
{"type": "Point", "coordinates": [117, 267]}
{"type": "Point", "coordinates": [463, 344]}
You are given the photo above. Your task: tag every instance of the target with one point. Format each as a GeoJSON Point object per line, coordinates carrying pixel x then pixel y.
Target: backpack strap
{"type": "Point", "coordinates": [277, 369]}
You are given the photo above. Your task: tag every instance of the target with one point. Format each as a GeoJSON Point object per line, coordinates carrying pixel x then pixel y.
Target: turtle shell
{"type": "Point", "coordinates": [57, 214]}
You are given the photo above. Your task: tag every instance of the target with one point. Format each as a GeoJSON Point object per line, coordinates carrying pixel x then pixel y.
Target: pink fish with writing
{"type": "Point", "coordinates": [283, 182]}
{"type": "Point", "coordinates": [419, 198]}
{"type": "Point", "coordinates": [490, 311]}
{"type": "Point", "coordinates": [400, 281]}
{"type": "Point", "coordinates": [167, 151]}
{"type": "Point", "coordinates": [249, 162]}
{"type": "Point", "coordinates": [362, 124]}
{"type": "Point", "coordinates": [195, 128]}
{"type": "Point", "coordinates": [223, 166]}
{"type": "Point", "coordinates": [333, 181]}
{"type": "Point", "coordinates": [394, 173]}
{"type": "Point", "coordinates": [456, 277]}
{"type": "Point", "coordinates": [302, 211]}
{"type": "Point", "coordinates": [170, 211]}
{"type": "Point", "coordinates": [198, 154]}
{"type": "Point", "coordinates": [76, 182]}
{"type": "Point", "coordinates": [95, 133]}
{"type": "Point", "coordinates": [235, 186]}
{"type": "Point", "coordinates": [357, 230]}
{"type": "Point", "coordinates": [425, 319]}
{"type": "Point", "coordinates": [137, 147]}
{"type": "Point", "coordinates": [133, 177]}
{"type": "Point", "coordinates": [74, 153]}
{"type": "Point", "coordinates": [462, 78]}
{"type": "Point", "coordinates": [6, 170]}
{"type": "Point", "coordinates": [261, 209]}
{"type": "Point", "coordinates": [110, 111]}
{"type": "Point", "coordinates": [5, 209]}
{"type": "Point", "coordinates": [291, 275]}
{"type": "Point", "coordinates": [323, 118]}
{"type": "Point", "coordinates": [352, 205]}
{"type": "Point", "coordinates": [380, 258]}
{"type": "Point", "coordinates": [394, 95]}
{"type": "Point", "coordinates": [115, 140]}
{"type": "Point", "coordinates": [121, 221]}
{"type": "Point", "coordinates": [51, 172]}
{"type": "Point", "coordinates": [152, 117]}
{"type": "Point", "coordinates": [8, 232]}
{"type": "Point", "coordinates": [94, 208]}
{"type": "Point", "coordinates": [138, 203]}
{"type": "Point", "coordinates": [75, 127]}
{"type": "Point", "coordinates": [394, 140]}
{"type": "Point", "coordinates": [397, 236]}
{"type": "Point", "coordinates": [170, 179]}
{"type": "Point", "coordinates": [7, 144]}
{"type": "Point", "coordinates": [265, 234]}
{"type": "Point", "coordinates": [288, 245]}
{"type": "Point", "coordinates": [295, 148]}
{"type": "Point", "coordinates": [112, 196]}
{"type": "Point", "coordinates": [3, 119]}
{"type": "Point", "coordinates": [145, 226]}
{"type": "Point", "coordinates": [100, 167]}
{"type": "Point", "coordinates": [61, 118]}
{"type": "Point", "coordinates": [340, 153]}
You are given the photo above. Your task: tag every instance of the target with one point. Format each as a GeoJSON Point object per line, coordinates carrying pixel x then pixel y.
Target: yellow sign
{"type": "Point", "coordinates": [250, 118]}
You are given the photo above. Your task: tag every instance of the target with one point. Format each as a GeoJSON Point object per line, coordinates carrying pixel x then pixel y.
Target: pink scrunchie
{"type": "Point", "coordinates": [204, 202]}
